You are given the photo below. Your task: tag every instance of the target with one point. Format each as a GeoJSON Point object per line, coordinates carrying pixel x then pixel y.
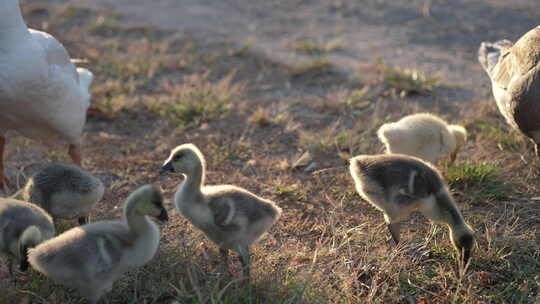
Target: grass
{"type": "Point", "coordinates": [167, 88]}
{"type": "Point", "coordinates": [197, 100]}
{"type": "Point", "coordinates": [316, 47]}
{"type": "Point", "coordinates": [313, 68]}
{"type": "Point", "coordinates": [405, 82]}
{"type": "Point", "coordinates": [409, 81]}
{"type": "Point", "coordinates": [261, 117]}
{"type": "Point", "coordinates": [506, 139]}
{"type": "Point", "coordinates": [481, 179]}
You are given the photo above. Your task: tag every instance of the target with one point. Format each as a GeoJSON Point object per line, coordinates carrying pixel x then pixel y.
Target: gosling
{"type": "Point", "coordinates": [65, 191]}
{"type": "Point", "coordinates": [232, 217]}
{"type": "Point", "coordinates": [399, 184]}
{"type": "Point", "coordinates": [423, 135]}
{"type": "Point", "coordinates": [22, 226]}
{"type": "Point", "coordinates": [91, 257]}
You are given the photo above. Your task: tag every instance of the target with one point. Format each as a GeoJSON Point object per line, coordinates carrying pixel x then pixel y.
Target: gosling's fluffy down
{"type": "Point", "coordinates": [423, 135]}
{"type": "Point", "coordinates": [22, 226]}
{"type": "Point", "coordinates": [65, 191]}
{"type": "Point", "coordinates": [230, 216]}
{"type": "Point", "coordinates": [91, 257]}
{"type": "Point", "coordinates": [399, 184]}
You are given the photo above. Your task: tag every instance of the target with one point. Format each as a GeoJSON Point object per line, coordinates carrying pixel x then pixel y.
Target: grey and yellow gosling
{"type": "Point", "coordinates": [398, 185]}
{"type": "Point", "coordinates": [64, 191]}
{"type": "Point", "coordinates": [423, 135]}
{"type": "Point", "coordinates": [230, 216]}
{"type": "Point", "coordinates": [22, 226]}
{"type": "Point", "coordinates": [90, 258]}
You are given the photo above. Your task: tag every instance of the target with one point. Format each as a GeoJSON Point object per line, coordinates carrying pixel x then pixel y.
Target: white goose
{"type": "Point", "coordinates": [42, 94]}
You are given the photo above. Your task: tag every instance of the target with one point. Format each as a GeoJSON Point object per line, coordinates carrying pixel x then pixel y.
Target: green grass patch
{"type": "Point", "coordinates": [315, 47]}
{"type": "Point", "coordinates": [288, 192]}
{"type": "Point", "coordinates": [478, 180]}
{"type": "Point", "coordinates": [314, 68]}
{"type": "Point", "coordinates": [505, 139]}
{"type": "Point", "coordinates": [405, 82]}
{"type": "Point", "coordinates": [198, 100]}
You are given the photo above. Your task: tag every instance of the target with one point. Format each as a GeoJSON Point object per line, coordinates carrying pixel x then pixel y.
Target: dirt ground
{"type": "Point", "coordinates": [224, 76]}
{"type": "Point", "coordinates": [438, 37]}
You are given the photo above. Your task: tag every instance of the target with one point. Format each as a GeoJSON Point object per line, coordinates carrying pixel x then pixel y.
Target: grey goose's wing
{"type": "Point", "coordinates": [517, 75]}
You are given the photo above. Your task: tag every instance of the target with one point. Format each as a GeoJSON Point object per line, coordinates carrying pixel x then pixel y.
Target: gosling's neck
{"type": "Point", "coordinates": [137, 223]}
{"type": "Point", "coordinates": [19, 195]}
{"type": "Point", "coordinates": [459, 230]}
{"type": "Point", "coordinates": [194, 181]}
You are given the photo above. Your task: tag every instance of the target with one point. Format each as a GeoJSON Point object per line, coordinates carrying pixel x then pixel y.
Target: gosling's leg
{"type": "Point", "coordinates": [74, 152]}
{"type": "Point", "coordinates": [10, 267]}
{"type": "Point", "coordinates": [453, 157]}
{"type": "Point", "coordinates": [83, 220]}
{"type": "Point", "coordinates": [245, 259]}
{"type": "Point", "coordinates": [3, 179]}
{"type": "Point", "coordinates": [224, 253]}
{"type": "Point", "coordinates": [394, 231]}
{"type": "Point", "coordinates": [466, 254]}
{"type": "Point", "coordinates": [10, 271]}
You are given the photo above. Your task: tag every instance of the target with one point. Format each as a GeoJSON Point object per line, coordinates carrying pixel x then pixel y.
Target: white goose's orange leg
{"type": "Point", "coordinates": [3, 179]}
{"type": "Point", "coordinates": [96, 112]}
{"type": "Point", "coordinates": [74, 152]}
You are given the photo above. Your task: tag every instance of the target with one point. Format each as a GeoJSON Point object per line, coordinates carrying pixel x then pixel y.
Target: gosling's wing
{"type": "Point", "coordinates": [400, 177]}
{"type": "Point", "coordinates": [222, 209]}
{"type": "Point", "coordinates": [94, 248]}
{"type": "Point", "coordinates": [110, 249]}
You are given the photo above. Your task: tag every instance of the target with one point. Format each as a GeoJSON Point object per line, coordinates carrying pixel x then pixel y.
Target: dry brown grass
{"type": "Point", "coordinates": [329, 246]}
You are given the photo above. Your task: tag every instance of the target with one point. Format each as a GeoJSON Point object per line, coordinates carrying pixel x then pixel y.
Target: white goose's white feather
{"type": "Point", "coordinates": [41, 92]}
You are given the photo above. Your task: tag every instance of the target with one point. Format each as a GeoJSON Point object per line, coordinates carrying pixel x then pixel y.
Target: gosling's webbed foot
{"type": "Point", "coordinates": [83, 220]}
{"type": "Point", "coordinates": [394, 231]}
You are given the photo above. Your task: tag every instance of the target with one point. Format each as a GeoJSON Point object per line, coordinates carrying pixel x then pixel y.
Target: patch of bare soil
{"type": "Point", "coordinates": [439, 37]}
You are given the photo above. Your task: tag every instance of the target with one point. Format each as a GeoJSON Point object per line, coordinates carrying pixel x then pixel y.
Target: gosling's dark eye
{"type": "Point", "coordinates": [177, 157]}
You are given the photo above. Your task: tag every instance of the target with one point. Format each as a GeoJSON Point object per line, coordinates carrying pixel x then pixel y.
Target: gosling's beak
{"type": "Point", "coordinates": [163, 216]}
{"type": "Point", "coordinates": [167, 167]}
